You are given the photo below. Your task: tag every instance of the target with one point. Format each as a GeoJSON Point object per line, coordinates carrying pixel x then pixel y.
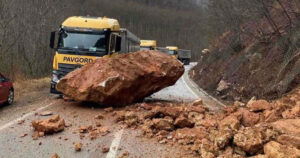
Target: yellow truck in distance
{"type": "Point", "coordinates": [163, 49]}
{"type": "Point", "coordinates": [148, 45]}
{"type": "Point", "coordinates": [81, 40]}
{"type": "Point", "coordinates": [173, 50]}
{"type": "Point", "coordinates": [183, 55]}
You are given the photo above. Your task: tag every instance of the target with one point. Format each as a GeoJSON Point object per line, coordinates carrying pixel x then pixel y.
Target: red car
{"type": "Point", "coordinates": [6, 91]}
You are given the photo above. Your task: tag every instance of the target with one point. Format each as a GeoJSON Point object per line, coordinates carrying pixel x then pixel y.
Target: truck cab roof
{"type": "Point", "coordinates": [172, 47]}
{"type": "Point", "coordinates": [148, 43]}
{"type": "Point", "coordinates": [92, 23]}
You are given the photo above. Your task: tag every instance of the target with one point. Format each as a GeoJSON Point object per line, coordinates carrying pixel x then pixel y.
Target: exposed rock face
{"type": "Point", "coordinates": [50, 125]}
{"type": "Point", "coordinates": [122, 79]}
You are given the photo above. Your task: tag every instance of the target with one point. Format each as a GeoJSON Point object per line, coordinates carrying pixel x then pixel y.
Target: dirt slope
{"type": "Point", "coordinates": [264, 63]}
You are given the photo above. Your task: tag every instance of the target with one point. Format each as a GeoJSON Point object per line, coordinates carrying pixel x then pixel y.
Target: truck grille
{"type": "Point", "coordinates": [64, 69]}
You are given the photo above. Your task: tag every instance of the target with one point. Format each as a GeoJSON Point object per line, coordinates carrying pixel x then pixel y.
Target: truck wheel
{"type": "Point", "coordinates": [11, 96]}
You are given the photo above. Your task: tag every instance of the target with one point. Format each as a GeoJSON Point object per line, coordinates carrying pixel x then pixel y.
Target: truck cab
{"type": "Point", "coordinates": [81, 40]}
{"type": "Point", "coordinates": [173, 50]}
{"type": "Point", "coordinates": [163, 50]}
{"type": "Point", "coordinates": [148, 45]}
{"type": "Point", "coordinates": [184, 56]}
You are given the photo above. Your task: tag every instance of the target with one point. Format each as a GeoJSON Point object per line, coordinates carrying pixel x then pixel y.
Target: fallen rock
{"type": "Point", "coordinates": [292, 113]}
{"type": "Point", "coordinates": [198, 102]}
{"type": "Point", "coordinates": [249, 118]}
{"type": "Point", "coordinates": [160, 112]}
{"type": "Point", "coordinates": [289, 126]}
{"type": "Point", "coordinates": [122, 79]}
{"type": "Point", "coordinates": [46, 113]}
{"type": "Point", "coordinates": [271, 115]}
{"type": "Point", "coordinates": [259, 156]}
{"type": "Point", "coordinates": [222, 86]}
{"type": "Point", "coordinates": [208, 149]}
{"type": "Point", "coordinates": [191, 134]}
{"type": "Point", "coordinates": [109, 109]}
{"type": "Point", "coordinates": [78, 146]}
{"type": "Point", "coordinates": [239, 104]}
{"type": "Point", "coordinates": [99, 117]}
{"type": "Point", "coordinates": [162, 124]}
{"type": "Point", "coordinates": [23, 135]}
{"type": "Point", "coordinates": [276, 150]}
{"type": "Point", "coordinates": [55, 156]}
{"type": "Point", "coordinates": [182, 122]}
{"type": "Point", "coordinates": [51, 125]}
{"type": "Point", "coordinates": [105, 149]}
{"type": "Point", "coordinates": [231, 122]}
{"type": "Point", "coordinates": [289, 140]}
{"type": "Point", "coordinates": [21, 122]}
{"type": "Point", "coordinates": [124, 155]}
{"type": "Point", "coordinates": [221, 138]}
{"type": "Point", "coordinates": [251, 140]}
{"type": "Point", "coordinates": [207, 123]}
{"type": "Point", "coordinates": [258, 105]}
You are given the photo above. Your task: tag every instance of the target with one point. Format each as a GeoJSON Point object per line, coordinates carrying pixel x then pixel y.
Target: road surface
{"type": "Point", "coordinates": [16, 140]}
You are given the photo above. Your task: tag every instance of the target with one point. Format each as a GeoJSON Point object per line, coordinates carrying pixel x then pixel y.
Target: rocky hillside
{"type": "Point", "coordinates": [260, 60]}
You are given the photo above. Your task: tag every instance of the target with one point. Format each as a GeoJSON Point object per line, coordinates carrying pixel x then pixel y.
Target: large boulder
{"type": "Point", "coordinates": [122, 79]}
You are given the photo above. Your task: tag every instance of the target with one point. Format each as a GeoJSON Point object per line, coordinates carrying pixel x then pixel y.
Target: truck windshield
{"type": "Point", "coordinates": [145, 48]}
{"type": "Point", "coordinates": [172, 52]}
{"type": "Point", "coordinates": [93, 42]}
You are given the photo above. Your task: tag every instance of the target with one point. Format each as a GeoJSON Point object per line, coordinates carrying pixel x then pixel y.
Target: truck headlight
{"type": "Point", "coordinates": [55, 78]}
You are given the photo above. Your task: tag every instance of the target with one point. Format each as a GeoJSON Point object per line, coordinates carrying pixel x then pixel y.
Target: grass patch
{"type": "Point", "coordinates": [23, 87]}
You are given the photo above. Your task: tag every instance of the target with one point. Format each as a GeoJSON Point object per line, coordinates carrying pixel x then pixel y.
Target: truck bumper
{"type": "Point", "coordinates": [53, 89]}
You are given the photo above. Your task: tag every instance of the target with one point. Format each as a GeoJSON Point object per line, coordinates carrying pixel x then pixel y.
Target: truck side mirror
{"type": "Point", "coordinates": [118, 44]}
{"type": "Point", "coordinates": [52, 40]}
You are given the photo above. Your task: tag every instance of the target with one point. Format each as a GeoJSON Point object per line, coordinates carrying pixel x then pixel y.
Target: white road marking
{"type": "Point", "coordinates": [115, 144]}
{"type": "Point", "coordinates": [196, 95]}
{"type": "Point", "coordinates": [23, 117]}
{"type": "Point", "coordinates": [211, 97]}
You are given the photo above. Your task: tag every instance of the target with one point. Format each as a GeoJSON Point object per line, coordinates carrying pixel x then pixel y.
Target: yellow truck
{"type": "Point", "coordinates": [173, 50]}
{"type": "Point", "coordinates": [81, 40]}
{"type": "Point", "coordinates": [148, 45]}
{"type": "Point", "coordinates": [183, 55]}
{"type": "Point", "coordinates": [163, 50]}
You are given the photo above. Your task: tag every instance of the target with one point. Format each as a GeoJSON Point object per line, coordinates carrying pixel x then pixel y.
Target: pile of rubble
{"type": "Point", "coordinates": [258, 128]}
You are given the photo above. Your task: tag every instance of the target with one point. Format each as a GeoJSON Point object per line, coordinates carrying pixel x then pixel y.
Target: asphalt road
{"type": "Point", "coordinates": [16, 140]}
